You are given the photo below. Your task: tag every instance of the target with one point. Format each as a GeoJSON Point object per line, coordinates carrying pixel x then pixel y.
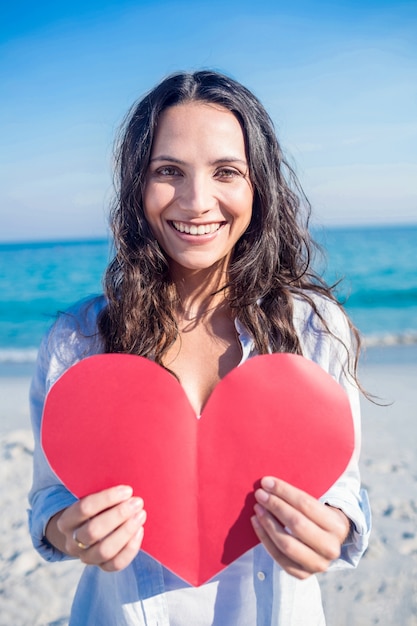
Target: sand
{"type": "Point", "coordinates": [383, 590]}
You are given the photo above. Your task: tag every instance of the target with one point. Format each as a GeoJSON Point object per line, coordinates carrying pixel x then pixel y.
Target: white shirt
{"type": "Point", "coordinates": [252, 591]}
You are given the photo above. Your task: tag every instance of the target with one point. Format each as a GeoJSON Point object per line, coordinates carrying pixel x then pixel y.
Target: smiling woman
{"type": "Point", "coordinates": [212, 266]}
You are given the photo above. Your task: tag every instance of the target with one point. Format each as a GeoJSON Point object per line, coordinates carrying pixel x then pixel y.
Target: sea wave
{"type": "Point", "coordinates": [390, 339]}
{"type": "Point", "coordinates": [18, 355]}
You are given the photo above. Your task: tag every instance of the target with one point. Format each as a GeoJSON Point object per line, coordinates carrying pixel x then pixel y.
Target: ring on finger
{"type": "Point", "coordinates": [79, 543]}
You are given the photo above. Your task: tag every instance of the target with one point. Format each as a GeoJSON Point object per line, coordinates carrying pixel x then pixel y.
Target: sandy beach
{"type": "Point", "coordinates": [383, 590]}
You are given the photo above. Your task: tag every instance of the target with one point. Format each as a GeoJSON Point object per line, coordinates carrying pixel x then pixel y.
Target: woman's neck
{"type": "Point", "coordinates": [200, 292]}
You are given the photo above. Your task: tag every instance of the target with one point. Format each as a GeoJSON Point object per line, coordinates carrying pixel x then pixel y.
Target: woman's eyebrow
{"type": "Point", "coordinates": [164, 157]}
{"type": "Point", "coordinates": [226, 159]}
{"type": "Point", "coordinates": [229, 159]}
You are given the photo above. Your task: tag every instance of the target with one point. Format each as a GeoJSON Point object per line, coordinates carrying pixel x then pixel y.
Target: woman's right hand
{"type": "Point", "coordinates": [103, 529]}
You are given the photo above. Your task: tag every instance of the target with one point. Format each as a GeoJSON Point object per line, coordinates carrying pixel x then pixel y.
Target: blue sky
{"type": "Point", "coordinates": [338, 78]}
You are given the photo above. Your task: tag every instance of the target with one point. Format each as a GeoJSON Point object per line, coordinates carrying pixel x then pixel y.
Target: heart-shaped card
{"type": "Point", "coordinates": [121, 419]}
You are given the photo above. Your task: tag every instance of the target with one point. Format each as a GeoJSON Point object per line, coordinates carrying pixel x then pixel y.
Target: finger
{"type": "Point", "coordinates": [324, 542]}
{"type": "Point", "coordinates": [79, 512]}
{"type": "Point", "coordinates": [103, 524]}
{"type": "Point", "coordinates": [327, 517]}
{"type": "Point", "coordinates": [296, 498]}
{"type": "Point", "coordinates": [330, 520]}
{"type": "Point", "coordinates": [289, 551]}
{"type": "Point", "coordinates": [126, 555]}
{"type": "Point", "coordinates": [286, 563]}
{"type": "Point", "coordinates": [112, 552]}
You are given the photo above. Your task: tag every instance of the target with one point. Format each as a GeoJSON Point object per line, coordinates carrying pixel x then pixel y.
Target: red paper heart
{"type": "Point", "coordinates": [122, 419]}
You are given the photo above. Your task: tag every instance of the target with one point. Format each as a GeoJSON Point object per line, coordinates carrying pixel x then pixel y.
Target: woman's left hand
{"type": "Point", "coordinates": [302, 534]}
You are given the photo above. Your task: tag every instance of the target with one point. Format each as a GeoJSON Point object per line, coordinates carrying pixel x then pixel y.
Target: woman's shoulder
{"type": "Point", "coordinates": [317, 312]}
{"type": "Point", "coordinates": [323, 329]}
{"type": "Point", "coordinates": [84, 312]}
{"type": "Point", "coordinates": [73, 336]}
{"type": "Point", "coordinates": [80, 318]}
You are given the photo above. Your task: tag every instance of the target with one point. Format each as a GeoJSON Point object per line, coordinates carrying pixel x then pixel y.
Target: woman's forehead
{"type": "Point", "coordinates": [206, 124]}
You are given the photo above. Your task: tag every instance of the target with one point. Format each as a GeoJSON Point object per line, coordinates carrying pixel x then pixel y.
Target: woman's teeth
{"type": "Point", "coordinates": [193, 229]}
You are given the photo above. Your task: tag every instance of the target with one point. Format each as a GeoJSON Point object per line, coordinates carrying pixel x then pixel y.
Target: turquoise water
{"type": "Point", "coordinates": [378, 265]}
{"type": "Point", "coordinates": [379, 271]}
{"type": "Point", "coordinates": [36, 281]}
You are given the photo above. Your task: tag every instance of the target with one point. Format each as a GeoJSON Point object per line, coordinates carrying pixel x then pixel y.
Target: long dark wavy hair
{"type": "Point", "coordinates": [271, 262]}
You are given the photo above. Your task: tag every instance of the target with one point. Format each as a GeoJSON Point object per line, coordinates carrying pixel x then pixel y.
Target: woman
{"type": "Point", "coordinates": [212, 266]}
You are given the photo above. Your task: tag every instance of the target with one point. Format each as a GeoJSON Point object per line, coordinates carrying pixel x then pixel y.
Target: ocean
{"type": "Point", "coordinates": [377, 267]}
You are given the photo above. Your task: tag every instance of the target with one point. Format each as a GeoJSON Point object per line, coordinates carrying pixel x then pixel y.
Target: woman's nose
{"type": "Point", "coordinates": [197, 196]}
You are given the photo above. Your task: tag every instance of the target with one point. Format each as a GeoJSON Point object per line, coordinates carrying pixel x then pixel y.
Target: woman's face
{"type": "Point", "coordinates": [198, 197]}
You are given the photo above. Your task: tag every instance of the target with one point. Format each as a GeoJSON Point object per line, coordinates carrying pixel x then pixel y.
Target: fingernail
{"type": "Point", "coordinates": [259, 510]}
{"type": "Point", "coordinates": [262, 495]}
{"type": "Point", "coordinates": [124, 491]}
{"type": "Point", "coordinates": [255, 522]}
{"type": "Point", "coordinates": [140, 518]}
{"type": "Point", "coordinates": [136, 503]}
{"type": "Point", "coordinates": [268, 482]}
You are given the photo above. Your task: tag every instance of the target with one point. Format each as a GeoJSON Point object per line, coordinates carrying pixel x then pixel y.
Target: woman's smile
{"type": "Point", "coordinates": [197, 229]}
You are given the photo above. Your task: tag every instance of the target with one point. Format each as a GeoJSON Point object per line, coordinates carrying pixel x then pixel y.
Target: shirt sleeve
{"type": "Point", "coordinates": [48, 495]}
{"type": "Point", "coordinates": [332, 351]}
{"type": "Point", "coordinates": [71, 338]}
{"type": "Point", "coordinates": [346, 494]}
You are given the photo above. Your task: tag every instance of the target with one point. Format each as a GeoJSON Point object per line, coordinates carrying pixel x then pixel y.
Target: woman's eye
{"type": "Point", "coordinates": [227, 172]}
{"type": "Point", "coordinates": [167, 170]}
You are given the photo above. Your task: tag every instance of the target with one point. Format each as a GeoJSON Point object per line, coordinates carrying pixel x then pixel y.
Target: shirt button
{"type": "Point", "coordinates": [261, 576]}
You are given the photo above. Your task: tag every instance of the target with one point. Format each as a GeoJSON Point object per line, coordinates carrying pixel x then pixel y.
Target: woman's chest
{"type": "Point", "coordinates": [200, 359]}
